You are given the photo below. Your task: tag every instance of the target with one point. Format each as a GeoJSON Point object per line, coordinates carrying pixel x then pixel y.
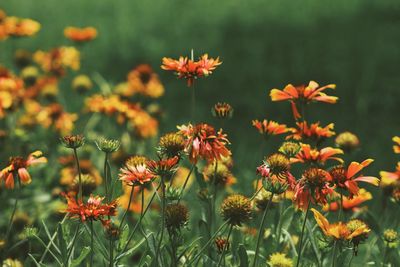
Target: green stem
{"type": "Point", "coordinates": [51, 240]}
{"type": "Point", "coordinates": [127, 209]}
{"type": "Point", "coordinates": [73, 242]}
{"type": "Point", "coordinates": [79, 175]}
{"type": "Point", "coordinates": [261, 230]}
{"type": "Point", "coordinates": [185, 183]}
{"type": "Point", "coordinates": [384, 254]}
{"type": "Point", "coordinates": [340, 206]}
{"type": "Point", "coordinates": [106, 182]}
{"type": "Point", "coordinates": [162, 218]}
{"type": "Point", "coordinates": [226, 245]}
{"type": "Point", "coordinates": [91, 243]}
{"type": "Point", "coordinates": [334, 253]}
{"type": "Point", "coordinates": [302, 233]}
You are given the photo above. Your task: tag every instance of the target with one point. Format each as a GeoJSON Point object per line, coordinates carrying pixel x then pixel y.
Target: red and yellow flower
{"type": "Point", "coordinates": [390, 178]}
{"type": "Point", "coordinates": [136, 172]}
{"type": "Point", "coordinates": [312, 131]}
{"type": "Point", "coordinates": [308, 154]}
{"type": "Point", "coordinates": [352, 204]}
{"type": "Point", "coordinates": [396, 146]}
{"type": "Point", "coordinates": [80, 34]}
{"type": "Point", "coordinates": [270, 127]}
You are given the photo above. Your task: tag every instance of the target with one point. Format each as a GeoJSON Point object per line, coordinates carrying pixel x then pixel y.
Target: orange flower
{"type": "Point", "coordinates": [190, 69]}
{"type": "Point", "coordinates": [350, 203]}
{"type": "Point", "coordinates": [313, 131]}
{"type": "Point", "coordinates": [202, 141]}
{"type": "Point", "coordinates": [163, 167]}
{"type": "Point", "coordinates": [136, 172]}
{"type": "Point", "coordinates": [304, 94]}
{"type": "Point", "coordinates": [390, 178]}
{"type": "Point", "coordinates": [57, 60]}
{"type": "Point", "coordinates": [270, 127]}
{"type": "Point", "coordinates": [142, 80]}
{"type": "Point", "coordinates": [92, 210]}
{"type": "Point", "coordinates": [396, 146]}
{"type": "Point", "coordinates": [307, 154]}
{"type": "Point", "coordinates": [80, 34]}
{"type": "Point", "coordinates": [19, 168]}
{"type": "Point", "coordinates": [348, 179]}
{"type": "Point", "coordinates": [18, 27]}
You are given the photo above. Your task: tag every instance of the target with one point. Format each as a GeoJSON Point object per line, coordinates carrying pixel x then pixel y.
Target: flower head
{"type": "Point", "coordinates": [279, 260]}
{"type": "Point", "coordinates": [176, 215]}
{"type": "Point", "coordinates": [266, 127]}
{"type": "Point", "coordinates": [18, 167]}
{"type": "Point", "coordinates": [390, 179]}
{"type": "Point", "coordinates": [236, 209]}
{"type": "Point", "coordinates": [391, 237]}
{"type": "Point", "coordinates": [108, 145]}
{"type": "Point", "coordinates": [171, 144]}
{"type": "Point", "coordinates": [347, 141]}
{"type": "Point", "coordinates": [290, 149]}
{"type": "Point", "coordinates": [221, 243]}
{"type": "Point", "coordinates": [189, 69]}
{"type": "Point", "coordinates": [73, 141]}
{"type": "Point", "coordinates": [163, 167]}
{"type": "Point", "coordinates": [136, 172]}
{"type": "Point", "coordinates": [82, 83]}
{"type": "Point", "coordinates": [218, 174]}
{"type": "Point", "coordinates": [312, 132]}
{"type": "Point", "coordinates": [142, 80]}
{"type": "Point", "coordinates": [307, 154]}
{"type": "Point", "coordinates": [202, 141]}
{"type": "Point", "coordinates": [80, 34]}
{"type": "Point", "coordinates": [222, 110]}
{"type": "Point", "coordinates": [396, 146]}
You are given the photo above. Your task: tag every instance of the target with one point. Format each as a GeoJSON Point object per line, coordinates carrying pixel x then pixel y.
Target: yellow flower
{"type": "Point", "coordinates": [279, 260]}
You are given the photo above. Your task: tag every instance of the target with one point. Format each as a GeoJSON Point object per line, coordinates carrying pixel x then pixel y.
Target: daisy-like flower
{"type": "Point", "coordinates": [266, 127]}
{"type": "Point", "coordinates": [19, 168]}
{"type": "Point", "coordinates": [143, 80]}
{"type": "Point", "coordinates": [80, 34]}
{"type": "Point", "coordinates": [314, 187]}
{"type": "Point", "coordinates": [202, 141]}
{"type": "Point", "coordinates": [93, 210]}
{"type": "Point", "coordinates": [389, 179]}
{"type": "Point", "coordinates": [308, 154]}
{"type": "Point", "coordinates": [279, 260]}
{"type": "Point", "coordinates": [312, 132]}
{"type": "Point", "coordinates": [304, 94]}
{"type": "Point", "coordinates": [18, 27]}
{"type": "Point", "coordinates": [222, 110]}
{"type": "Point", "coordinates": [347, 141]}
{"type": "Point", "coordinates": [396, 146]}
{"type": "Point", "coordinates": [189, 69]}
{"type": "Point", "coordinates": [136, 172]}
{"type": "Point", "coordinates": [347, 179]}
{"type": "Point", "coordinates": [352, 204]}
{"type": "Point", "coordinates": [58, 60]}
{"type": "Point", "coordinates": [163, 167]}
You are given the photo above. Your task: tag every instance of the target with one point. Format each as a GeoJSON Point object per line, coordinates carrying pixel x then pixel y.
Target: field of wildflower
{"type": "Point", "coordinates": [199, 134]}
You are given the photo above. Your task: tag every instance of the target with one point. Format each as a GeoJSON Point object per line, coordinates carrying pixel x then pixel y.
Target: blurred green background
{"type": "Point", "coordinates": [263, 45]}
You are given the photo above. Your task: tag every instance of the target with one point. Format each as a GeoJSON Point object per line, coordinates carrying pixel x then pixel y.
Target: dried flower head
{"type": "Point", "coordinates": [236, 209]}
{"type": "Point", "coordinates": [176, 216]}
{"type": "Point", "coordinates": [171, 144]}
{"type": "Point", "coordinates": [290, 149]}
{"type": "Point", "coordinates": [73, 141]}
{"type": "Point", "coordinates": [279, 260]}
{"type": "Point", "coordinates": [222, 110]}
{"type": "Point", "coordinates": [108, 145]}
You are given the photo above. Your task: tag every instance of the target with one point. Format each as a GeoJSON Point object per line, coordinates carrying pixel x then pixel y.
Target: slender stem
{"type": "Point", "coordinates": [127, 209]}
{"type": "Point", "coordinates": [106, 182]}
{"type": "Point", "coordinates": [79, 175]}
{"type": "Point", "coordinates": [91, 243]}
{"type": "Point", "coordinates": [334, 253]}
{"type": "Point", "coordinates": [51, 240]}
{"type": "Point", "coordinates": [384, 254]}
{"type": "Point", "coordinates": [340, 206]}
{"type": "Point", "coordinates": [302, 233]}
{"type": "Point", "coordinates": [261, 230]}
{"type": "Point", "coordinates": [226, 245]}
{"type": "Point", "coordinates": [186, 181]}
{"type": "Point", "coordinates": [17, 195]}
{"type": "Point", "coordinates": [162, 218]}
{"type": "Point", "coordinates": [73, 242]}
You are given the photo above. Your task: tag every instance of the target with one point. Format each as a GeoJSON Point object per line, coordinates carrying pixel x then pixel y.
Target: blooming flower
{"type": "Point", "coordinates": [19, 168]}
{"type": "Point", "coordinates": [306, 94]}
{"type": "Point", "coordinates": [313, 131]}
{"type": "Point", "coordinates": [270, 127]}
{"type": "Point", "coordinates": [390, 178]}
{"type": "Point", "coordinates": [163, 167]}
{"type": "Point", "coordinates": [143, 80]}
{"type": "Point", "coordinates": [349, 203]}
{"type": "Point", "coordinates": [202, 141]}
{"type": "Point", "coordinates": [396, 146]}
{"type": "Point", "coordinates": [93, 210]}
{"type": "Point", "coordinates": [307, 154]}
{"type": "Point", "coordinates": [11, 26]}
{"type": "Point", "coordinates": [347, 141]}
{"type": "Point", "coordinates": [58, 60]}
{"type": "Point", "coordinates": [279, 260]}
{"type": "Point", "coordinates": [136, 172]}
{"type": "Point", "coordinates": [190, 69]}
{"type": "Point", "coordinates": [80, 34]}
{"type": "Point", "coordinates": [348, 179]}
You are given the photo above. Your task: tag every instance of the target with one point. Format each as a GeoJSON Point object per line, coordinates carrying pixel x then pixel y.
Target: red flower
{"type": "Point", "coordinates": [190, 69]}
{"type": "Point", "coordinates": [19, 166]}
{"type": "Point", "coordinates": [202, 141]}
{"type": "Point", "coordinates": [92, 210]}
{"type": "Point", "coordinates": [163, 167]}
{"type": "Point", "coordinates": [313, 131]}
{"type": "Point", "coordinates": [270, 127]}
{"type": "Point", "coordinates": [136, 173]}
{"type": "Point", "coordinates": [307, 154]}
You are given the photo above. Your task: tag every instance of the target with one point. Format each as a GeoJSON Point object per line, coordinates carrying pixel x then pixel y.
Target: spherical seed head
{"type": "Point", "coordinates": [29, 75]}
{"type": "Point", "coordinates": [176, 215]}
{"type": "Point", "coordinates": [347, 141]}
{"type": "Point", "coordinates": [108, 145]}
{"type": "Point", "coordinates": [290, 149]}
{"type": "Point", "coordinates": [315, 176]}
{"type": "Point", "coordinates": [82, 83]}
{"type": "Point", "coordinates": [222, 110]}
{"type": "Point", "coordinates": [236, 209]}
{"type": "Point", "coordinates": [88, 184]}
{"type": "Point", "coordinates": [136, 161]}
{"type": "Point", "coordinates": [279, 260]}
{"type": "Point", "coordinates": [171, 144]}
{"type": "Point", "coordinates": [73, 141]}
{"type": "Point", "coordinates": [338, 174]}
{"type": "Point", "coordinates": [390, 236]}
{"type": "Point", "coordinates": [278, 163]}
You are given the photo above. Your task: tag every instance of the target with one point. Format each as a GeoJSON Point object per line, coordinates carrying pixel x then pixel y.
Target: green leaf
{"type": "Point", "coordinates": [62, 243]}
{"type": "Point", "coordinates": [244, 260]}
{"type": "Point", "coordinates": [124, 237]}
{"type": "Point", "coordinates": [131, 250]}
{"type": "Point", "coordinates": [76, 262]}
{"type": "Point", "coordinates": [37, 264]}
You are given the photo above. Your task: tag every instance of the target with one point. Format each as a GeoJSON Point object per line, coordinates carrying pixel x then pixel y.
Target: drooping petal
{"type": "Point", "coordinates": [368, 179]}
{"type": "Point", "coordinates": [356, 167]}
{"type": "Point", "coordinates": [10, 181]}
{"type": "Point", "coordinates": [321, 221]}
{"type": "Point", "coordinates": [24, 176]}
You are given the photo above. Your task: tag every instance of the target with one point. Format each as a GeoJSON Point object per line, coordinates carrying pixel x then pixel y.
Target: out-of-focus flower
{"type": "Point", "coordinates": [29, 75]}
{"type": "Point", "coordinates": [12, 263]}
{"type": "Point", "coordinates": [396, 146]}
{"type": "Point", "coordinates": [222, 110]}
{"type": "Point", "coordinates": [349, 203]}
{"type": "Point", "coordinates": [54, 115]}
{"type": "Point", "coordinates": [266, 127]}
{"type": "Point", "coordinates": [313, 186]}
{"type": "Point", "coordinates": [189, 69]}
{"type": "Point", "coordinates": [69, 171]}
{"type": "Point", "coordinates": [58, 60]}
{"type": "Point", "coordinates": [359, 232]}
{"type": "Point", "coordinates": [221, 243]}
{"type": "Point", "coordinates": [22, 58]}
{"type": "Point", "coordinates": [176, 216]}
{"type": "Point", "coordinates": [180, 177]}
{"type": "Point", "coordinates": [202, 141]}
{"type": "Point", "coordinates": [279, 260]}
{"type": "Point", "coordinates": [82, 83]}
{"type": "Point", "coordinates": [93, 210]}
{"type": "Point", "coordinates": [171, 145]}
{"type": "Point", "coordinates": [108, 145]}
{"type": "Point", "coordinates": [80, 34]}
{"type": "Point", "coordinates": [262, 199]}
{"type": "Point", "coordinates": [307, 154]}
{"type": "Point", "coordinates": [164, 167]}
{"type": "Point", "coordinates": [136, 172]}
{"type": "Point", "coordinates": [390, 179]}
{"type": "Point", "coordinates": [73, 141]}
{"type": "Point", "coordinates": [17, 27]}
{"type": "Point", "coordinates": [348, 179]}
{"type": "Point", "coordinates": [304, 94]}
{"type": "Point", "coordinates": [88, 184]}
{"type": "Point", "coordinates": [347, 141]}
{"type": "Point", "coordinates": [236, 209]}
{"type": "Point", "coordinates": [136, 200]}
{"type": "Point", "coordinates": [218, 174]}
{"type": "Point", "coordinates": [312, 132]}
{"type": "Point", "coordinates": [19, 168]}
{"type": "Point", "coordinates": [391, 237]}
{"type": "Point", "coordinates": [290, 149]}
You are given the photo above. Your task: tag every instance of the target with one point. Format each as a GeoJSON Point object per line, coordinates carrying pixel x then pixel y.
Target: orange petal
{"type": "Point", "coordinates": [356, 167]}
